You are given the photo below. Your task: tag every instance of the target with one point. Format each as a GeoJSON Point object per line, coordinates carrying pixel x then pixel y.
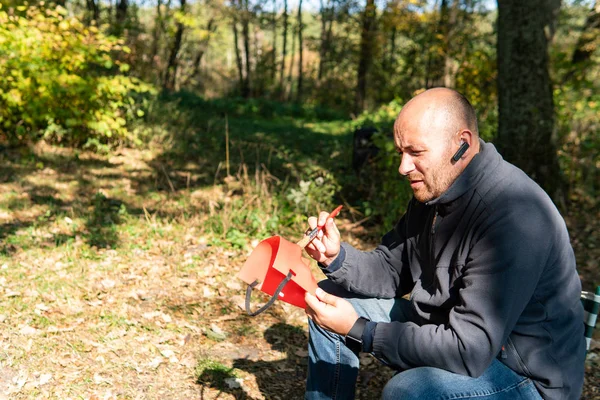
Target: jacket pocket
{"type": "Point", "coordinates": [514, 354]}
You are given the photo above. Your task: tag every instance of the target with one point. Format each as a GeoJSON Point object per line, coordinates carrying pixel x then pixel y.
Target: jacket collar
{"type": "Point", "coordinates": [486, 160]}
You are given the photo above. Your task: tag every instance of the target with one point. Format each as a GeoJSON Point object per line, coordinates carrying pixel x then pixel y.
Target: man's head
{"type": "Point", "coordinates": [428, 131]}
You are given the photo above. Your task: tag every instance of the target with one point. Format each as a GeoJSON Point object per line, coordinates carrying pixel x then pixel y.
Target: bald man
{"type": "Point", "coordinates": [494, 308]}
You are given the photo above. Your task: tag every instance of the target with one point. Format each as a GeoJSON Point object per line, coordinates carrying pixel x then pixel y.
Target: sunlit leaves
{"type": "Point", "coordinates": [61, 76]}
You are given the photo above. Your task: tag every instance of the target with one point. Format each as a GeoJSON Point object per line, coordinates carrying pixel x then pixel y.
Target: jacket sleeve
{"type": "Point", "coordinates": [501, 271]}
{"type": "Point", "coordinates": [381, 273]}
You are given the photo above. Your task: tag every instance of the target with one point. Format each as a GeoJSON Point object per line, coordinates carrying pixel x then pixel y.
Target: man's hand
{"type": "Point", "coordinates": [326, 246]}
{"type": "Point", "coordinates": [331, 312]}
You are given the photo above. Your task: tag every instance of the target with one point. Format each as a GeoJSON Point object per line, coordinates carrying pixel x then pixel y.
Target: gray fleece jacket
{"type": "Point", "coordinates": [490, 272]}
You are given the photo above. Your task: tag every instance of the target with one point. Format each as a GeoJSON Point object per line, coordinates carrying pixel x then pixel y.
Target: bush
{"type": "Point", "coordinates": [387, 193]}
{"type": "Point", "coordinates": [62, 81]}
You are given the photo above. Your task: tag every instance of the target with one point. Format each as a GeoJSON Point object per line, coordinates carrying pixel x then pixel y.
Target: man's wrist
{"type": "Point", "coordinates": [354, 338]}
{"type": "Point", "coordinates": [336, 263]}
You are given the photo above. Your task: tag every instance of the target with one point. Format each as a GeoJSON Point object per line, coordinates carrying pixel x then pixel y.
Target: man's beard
{"type": "Point", "coordinates": [432, 187]}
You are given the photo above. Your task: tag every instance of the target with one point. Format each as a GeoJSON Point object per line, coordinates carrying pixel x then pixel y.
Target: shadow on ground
{"type": "Point", "coordinates": [283, 378]}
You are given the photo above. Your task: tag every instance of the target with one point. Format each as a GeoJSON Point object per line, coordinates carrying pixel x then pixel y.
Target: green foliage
{"type": "Point", "coordinates": [577, 105]}
{"type": "Point", "coordinates": [62, 81]}
{"type": "Point", "coordinates": [315, 191]}
{"type": "Point", "coordinates": [382, 118]}
{"type": "Point", "coordinates": [212, 372]}
{"type": "Point", "coordinates": [387, 193]}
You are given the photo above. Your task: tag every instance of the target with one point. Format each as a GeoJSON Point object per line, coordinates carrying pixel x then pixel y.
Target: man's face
{"type": "Point", "coordinates": [426, 158]}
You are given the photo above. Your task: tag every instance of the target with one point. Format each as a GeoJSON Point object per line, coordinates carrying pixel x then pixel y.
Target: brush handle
{"type": "Point", "coordinates": [312, 234]}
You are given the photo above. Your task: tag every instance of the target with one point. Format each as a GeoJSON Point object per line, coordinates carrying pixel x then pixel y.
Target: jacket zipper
{"type": "Point", "coordinates": [431, 241]}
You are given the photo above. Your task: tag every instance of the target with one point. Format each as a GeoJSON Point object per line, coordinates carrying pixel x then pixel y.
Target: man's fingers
{"type": "Point", "coordinates": [323, 217]}
{"type": "Point", "coordinates": [332, 227]}
{"type": "Point", "coordinates": [312, 222]}
{"type": "Point", "coordinates": [320, 246]}
{"type": "Point", "coordinates": [314, 305]}
{"type": "Point", "coordinates": [326, 298]}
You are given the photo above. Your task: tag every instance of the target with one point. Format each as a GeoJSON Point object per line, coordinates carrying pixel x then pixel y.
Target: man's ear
{"type": "Point", "coordinates": [467, 137]}
{"type": "Point", "coordinates": [464, 146]}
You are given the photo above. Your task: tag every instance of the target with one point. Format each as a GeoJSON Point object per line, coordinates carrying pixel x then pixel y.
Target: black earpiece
{"type": "Point", "coordinates": [461, 150]}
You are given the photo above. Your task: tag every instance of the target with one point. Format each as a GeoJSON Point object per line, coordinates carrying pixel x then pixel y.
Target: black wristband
{"type": "Point", "coordinates": [353, 339]}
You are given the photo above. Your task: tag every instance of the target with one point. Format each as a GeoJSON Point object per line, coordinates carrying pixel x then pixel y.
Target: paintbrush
{"type": "Point", "coordinates": [312, 234]}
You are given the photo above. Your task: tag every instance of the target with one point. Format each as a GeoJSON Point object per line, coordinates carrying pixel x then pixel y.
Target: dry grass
{"type": "Point", "coordinates": [112, 286]}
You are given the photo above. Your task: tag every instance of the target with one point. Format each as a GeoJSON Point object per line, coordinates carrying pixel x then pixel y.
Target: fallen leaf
{"type": "Point", "coordinates": [44, 378]}
{"type": "Point", "coordinates": [167, 353]}
{"type": "Point", "coordinates": [234, 383]}
{"type": "Point", "coordinates": [28, 330]}
{"type": "Point", "coordinates": [301, 352]}
{"type": "Point", "coordinates": [156, 361]}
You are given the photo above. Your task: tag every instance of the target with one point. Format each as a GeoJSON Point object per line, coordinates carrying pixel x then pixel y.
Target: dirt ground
{"type": "Point", "coordinates": [112, 287]}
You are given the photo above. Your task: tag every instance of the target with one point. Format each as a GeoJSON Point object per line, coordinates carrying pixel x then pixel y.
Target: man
{"type": "Point", "coordinates": [494, 309]}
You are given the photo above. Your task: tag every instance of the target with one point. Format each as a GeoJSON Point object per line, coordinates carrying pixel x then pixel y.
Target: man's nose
{"type": "Point", "coordinates": [406, 165]}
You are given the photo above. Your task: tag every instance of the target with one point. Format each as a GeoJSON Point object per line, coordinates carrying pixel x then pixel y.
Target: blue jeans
{"type": "Point", "coordinates": [333, 368]}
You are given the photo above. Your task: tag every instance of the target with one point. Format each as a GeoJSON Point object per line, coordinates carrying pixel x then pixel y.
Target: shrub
{"type": "Point", "coordinates": [62, 81]}
{"type": "Point", "coordinates": [387, 193]}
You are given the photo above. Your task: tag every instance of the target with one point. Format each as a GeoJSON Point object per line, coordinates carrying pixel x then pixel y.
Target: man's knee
{"type": "Point", "coordinates": [413, 384]}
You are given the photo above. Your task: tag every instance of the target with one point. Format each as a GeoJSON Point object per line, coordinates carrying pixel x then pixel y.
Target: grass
{"type": "Point", "coordinates": [117, 271]}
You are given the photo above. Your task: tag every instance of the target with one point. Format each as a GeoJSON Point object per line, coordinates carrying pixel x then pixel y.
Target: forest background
{"type": "Point", "coordinates": [146, 147]}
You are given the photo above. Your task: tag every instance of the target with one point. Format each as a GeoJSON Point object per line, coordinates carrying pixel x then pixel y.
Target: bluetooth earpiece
{"type": "Point", "coordinates": [461, 150]}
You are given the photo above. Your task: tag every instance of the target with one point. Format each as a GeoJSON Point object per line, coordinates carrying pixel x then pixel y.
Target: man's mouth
{"type": "Point", "coordinates": [415, 183]}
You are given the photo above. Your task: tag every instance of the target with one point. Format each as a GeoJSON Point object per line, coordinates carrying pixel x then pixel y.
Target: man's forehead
{"type": "Point", "coordinates": [411, 133]}
{"type": "Point", "coordinates": [420, 126]}
{"type": "Point", "coordinates": [407, 138]}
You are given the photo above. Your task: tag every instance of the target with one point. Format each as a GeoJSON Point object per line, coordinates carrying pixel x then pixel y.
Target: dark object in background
{"type": "Point", "coordinates": [363, 148]}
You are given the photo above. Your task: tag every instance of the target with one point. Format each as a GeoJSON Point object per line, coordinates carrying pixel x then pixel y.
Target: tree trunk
{"type": "Point", "coordinates": [300, 52]}
{"type": "Point", "coordinates": [156, 34]}
{"type": "Point", "coordinates": [526, 108]}
{"type": "Point", "coordinates": [246, 42]}
{"type": "Point", "coordinates": [450, 64]}
{"type": "Point", "coordinates": [289, 79]}
{"type": "Point", "coordinates": [365, 60]}
{"type": "Point", "coordinates": [93, 8]}
{"type": "Point", "coordinates": [391, 59]}
{"type": "Point", "coordinates": [434, 75]}
{"type": "Point", "coordinates": [325, 36]}
{"type": "Point", "coordinates": [171, 72]}
{"type": "Point", "coordinates": [211, 27]}
{"type": "Point", "coordinates": [591, 30]}
{"type": "Point", "coordinates": [238, 59]}
{"type": "Point", "coordinates": [274, 51]}
{"type": "Point", "coordinates": [121, 16]}
{"type": "Point", "coordinates": [284, 49]}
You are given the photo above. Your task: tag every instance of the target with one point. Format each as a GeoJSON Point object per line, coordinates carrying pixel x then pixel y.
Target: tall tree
{"type": "Point", "coordinates": [93, 8]}
{"type": "Point", "coordinates": [327, 13]}
{"type": "Point", "coordinates": [158, 30]}
{"type": "Point", "coordinates": [300, 52]}
{"type": "Point", "coordinates": [284, 49]}
{"type": "Point", "coordinates": [274, 51]}
{"type": "Point", "coordinates": [591, 31]}
{"type": "Point", "coordinates": [121, 16]}
{"type": "Point", "coordinates": [202, 46]}
{"type": "Point", "coordinates": [238, 57]}
{"type": "Point", "coordinates": [172, 65]}
{"type": "Point", "coordinates": [288, 87]}
{"type": "Point", "coordinates": [365, 58]}
{"type": "Point", "coordinates": [450, 65]}
{"type": "Point", "coordinates": [244, 5]}
{"type": "Point", "coordinates": [441, 67]}
{"type": "Point", "coordinates": [526, 108]}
